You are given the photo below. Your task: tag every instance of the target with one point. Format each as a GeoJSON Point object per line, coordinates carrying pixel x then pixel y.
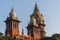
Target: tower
{"type": "Point", "coordinates": [12, 25]}
{"type": "Point", "coordinates": [36, 26]}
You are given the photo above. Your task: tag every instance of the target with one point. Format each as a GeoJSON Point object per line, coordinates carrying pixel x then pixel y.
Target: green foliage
{"type": "Point", "coordinates": [54, 37]}
{"type": "Point", "coordinates": [48, 38]}
{"type": "Point", "coordinates": [4, 37]}
{"type": "Point", "coordinates": [1, 34]}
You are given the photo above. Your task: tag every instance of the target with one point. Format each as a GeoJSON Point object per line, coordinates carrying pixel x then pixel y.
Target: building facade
{"type": "Point", "coordinates": [35, 28]}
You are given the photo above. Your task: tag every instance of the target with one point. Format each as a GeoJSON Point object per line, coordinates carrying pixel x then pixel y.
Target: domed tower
{"type": "Point", "coordinates": [36, 26]}
{"type": "Point", "coordinates": [12, 25]}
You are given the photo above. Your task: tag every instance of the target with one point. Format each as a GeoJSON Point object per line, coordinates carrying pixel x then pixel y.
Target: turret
{"type": "Point", "coordinates": [36, 26]}
{"type": "Point", "coordinates": [12, 25]}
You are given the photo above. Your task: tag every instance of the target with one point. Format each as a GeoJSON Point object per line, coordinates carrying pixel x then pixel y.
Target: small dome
{"type": "Point", "coordinates": [12, 13]}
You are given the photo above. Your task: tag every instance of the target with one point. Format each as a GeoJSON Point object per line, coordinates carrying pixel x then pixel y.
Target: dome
{"type": "Point", "coordinates": [12, 13]}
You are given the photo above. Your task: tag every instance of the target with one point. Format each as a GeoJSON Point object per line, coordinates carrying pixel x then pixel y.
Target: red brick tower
{"type": "Point", "coordinates": [36, 26]}
{"type": "Point", "coordinates": [12, 25]}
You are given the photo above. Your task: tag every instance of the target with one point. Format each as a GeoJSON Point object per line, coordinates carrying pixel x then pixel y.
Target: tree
{"type": "Point", "coordinates": [4, 37]}
{"type": "Point", "coordinates": [54, 37]}
{"type": "Point", "coordinates": [48, 38]}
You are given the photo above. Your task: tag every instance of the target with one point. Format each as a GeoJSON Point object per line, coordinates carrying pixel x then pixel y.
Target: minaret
{"type": "Point", "coordinates": [36, 26]}
{"type": "Point", "coordinates": [12, 25]}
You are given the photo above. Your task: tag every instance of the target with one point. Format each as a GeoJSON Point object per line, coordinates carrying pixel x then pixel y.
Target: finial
{"type": "Point", "coordinates": [22, 31]}
{"type": "Point", "coordinates": [12, 9]}
{"type": "Point", "coordinates": [36, 9]}
{"type": "Point", "coordinates": [12, 13]}
{"type": "Point", "coordinates": [36, 4]}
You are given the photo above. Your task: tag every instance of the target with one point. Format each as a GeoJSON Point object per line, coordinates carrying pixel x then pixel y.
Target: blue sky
{"type": "Point", "coordinates": [24, 8]}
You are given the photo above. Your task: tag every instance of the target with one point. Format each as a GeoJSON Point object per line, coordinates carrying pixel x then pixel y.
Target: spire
{"type": "Point", "coordinates": [12, 9]}
{"type": "Point", "coordinates": [37, 14]}
{"type": "Point", "coordinates": [12, 13]}
{"type": "Point", "coordinates": [36, 7]}
{"type": "Point", "coordinates": [36, 10]}
{"type": "Point", "coordinates": [22, 31]}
